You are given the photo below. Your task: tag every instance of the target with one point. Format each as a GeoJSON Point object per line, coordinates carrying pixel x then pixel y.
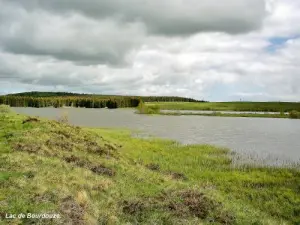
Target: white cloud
{"type": "Point", "coordinates": [283, 19]}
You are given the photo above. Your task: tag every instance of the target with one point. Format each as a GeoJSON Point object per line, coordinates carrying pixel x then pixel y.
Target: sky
{"type": "Point", "coordinates": [213, 50]}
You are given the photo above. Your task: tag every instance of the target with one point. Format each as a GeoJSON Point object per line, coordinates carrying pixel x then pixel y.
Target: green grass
{"type": "Point", "coordinates": [219, 114]}
{"type": "Point", "coordinates": [105, 176]}
{"type": "Point", "coordinates": [231, 106]}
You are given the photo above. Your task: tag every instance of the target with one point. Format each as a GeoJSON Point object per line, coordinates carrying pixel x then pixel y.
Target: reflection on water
{"type": "Point", "coordinates": [267, 139]}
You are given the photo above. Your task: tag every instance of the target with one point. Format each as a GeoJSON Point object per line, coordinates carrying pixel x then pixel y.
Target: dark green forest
{"type": "Point", "coordinates": [60, 99]}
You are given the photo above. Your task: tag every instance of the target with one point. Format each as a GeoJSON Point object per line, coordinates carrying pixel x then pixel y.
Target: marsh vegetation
{"type": "Point", "coordinates": [228, 109]}
{"type": "Point", "coordinates": [294, 114]}
{"type": "Point", "coordinates": [143, 108]}
{"type": "Point", "coordinates": [231, 106]}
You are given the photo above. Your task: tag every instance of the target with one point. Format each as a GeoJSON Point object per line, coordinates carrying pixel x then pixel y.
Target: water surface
{"type": "Point", "coordinates": [264, 138]}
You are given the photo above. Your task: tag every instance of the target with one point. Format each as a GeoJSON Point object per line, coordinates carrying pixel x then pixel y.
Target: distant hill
{"type": "Point", "coordinates": [46, 94]}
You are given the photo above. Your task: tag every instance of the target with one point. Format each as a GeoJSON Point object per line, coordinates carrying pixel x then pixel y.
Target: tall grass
{"type": "Point", "coordinates": [147, 109]}
{"type": "Point", "coordinates": [294, 114]}
{"type": "Point", "coordinates": [4, 109]}
{"type": "Point", "coordinates": [64, 117]}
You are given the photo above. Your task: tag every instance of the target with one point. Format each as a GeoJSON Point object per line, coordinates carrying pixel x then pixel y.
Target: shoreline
{"type": "Point", "coordinates": [218, 114]}
{"type": "Point", "coordinates": [229, 106]}
{"type": "Point", "coordinates": [233, 109]}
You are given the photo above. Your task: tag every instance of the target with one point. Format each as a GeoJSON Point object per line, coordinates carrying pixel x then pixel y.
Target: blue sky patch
{"type": "Point", "coordinates": [278, 42]}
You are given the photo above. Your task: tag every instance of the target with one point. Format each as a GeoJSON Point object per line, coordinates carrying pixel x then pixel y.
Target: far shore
{"type": "Point", "coordinates": [281, 110]}
{"type": "Point", "coordinates": [219, 114]}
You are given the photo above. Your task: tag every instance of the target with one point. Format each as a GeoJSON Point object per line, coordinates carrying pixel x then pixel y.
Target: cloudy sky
{"type": "Point", "coordinates": [209, 49]}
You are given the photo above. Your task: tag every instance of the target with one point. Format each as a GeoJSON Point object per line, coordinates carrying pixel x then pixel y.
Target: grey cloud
{"type": "Point", "coordinates": [73, 37]}
{"type": "Point", "coordinates": [77, 56]}
{"type": "Point", "coordinates": [168, 17]}
{"type": "Point", "coordinates": [42, 72]}
{"type": "Point", "coordinates": [106, 31]}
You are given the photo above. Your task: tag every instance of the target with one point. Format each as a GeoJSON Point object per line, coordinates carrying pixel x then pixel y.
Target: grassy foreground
{"type": "Point", "coordinates": [230, 106]}
{"type": "Point", "coordinates": [103, 176]}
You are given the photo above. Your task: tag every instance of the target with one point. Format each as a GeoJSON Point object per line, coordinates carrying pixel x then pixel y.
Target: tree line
{"type": "Point", "coordinates": [68, 94]}
{"type": "Point", "coordinates": [57, 102]}
{"type": "Point", "coordinates": [60, 99]}
{"type": "Point", "coordinates": [83, 101]}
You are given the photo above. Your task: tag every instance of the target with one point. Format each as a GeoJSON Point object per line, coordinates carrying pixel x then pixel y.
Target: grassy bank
{"type": "Point", "coordinates": [219, 114]}
{"type": "Point", "coordinates": [246, 107]}
{"type": "Point", "coordinates": [103, 176]}
{"type": "Point", "coordinates": [230, 106]}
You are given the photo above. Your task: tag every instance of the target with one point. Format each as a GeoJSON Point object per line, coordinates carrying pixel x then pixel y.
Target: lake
{"type": "Point", "coordinates": [266, 139]}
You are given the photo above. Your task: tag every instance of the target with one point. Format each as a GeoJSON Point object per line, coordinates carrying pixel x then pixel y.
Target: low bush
{"type": "Point", "coordinates": [145, 109]}
{"type": "Point", "coordinates": [294, 114]}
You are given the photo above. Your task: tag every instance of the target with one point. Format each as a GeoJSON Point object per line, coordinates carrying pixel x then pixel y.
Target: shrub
{"type": "Point", "coordinates": [153, 109]}
{"type": "Point", "coordinates": [141, 107]}
{"type": "Point", "coordinates": [144, 109]}
{"type": "Point", "coordinates": [294, 114]}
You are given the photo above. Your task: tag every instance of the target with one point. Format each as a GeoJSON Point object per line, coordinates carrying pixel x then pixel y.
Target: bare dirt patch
{"type": "Point", "coordinates": [133, 207]}
{"type": "Point", "coordinates": [72, 211]}
{"type": "Point", "coordinates": [153, 167]}
{"type": "Point", "coordinates": [197, 204]}
{"type": "Point", "coordinates": [174, 175]}
{"type": "Point", "coordinates": [177, 176]}
{"type": "Point", "coordinates": [98, 169]}
{"type": "Point", "coordinates": [58, 143]}
{"type": "Point", "coordinates": [102, 170]}
{"type": "Point", "coordinates": [181, 204]}
{"type": "Point", "coordinates": [27, 147]}
{"type": "Point", "coordinates": [77, 161]}
{"type": "Point", "coordinates": [31, 120]}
